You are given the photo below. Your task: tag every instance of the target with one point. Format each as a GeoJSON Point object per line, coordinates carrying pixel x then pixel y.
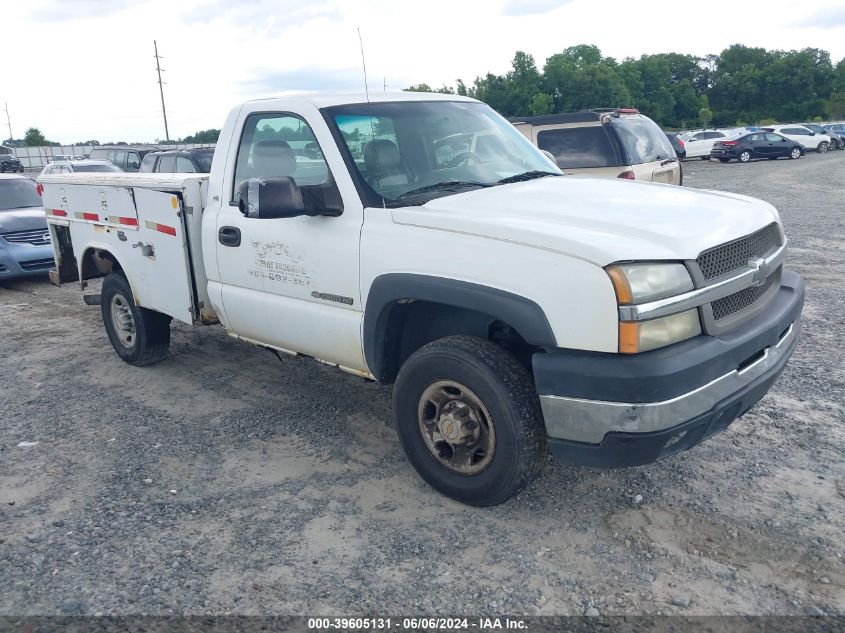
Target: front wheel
{"type": "Point", "coordinates": [745, 156]}
{"type": "Point", "coordinates": [469, 420]}
{"type": "Point", "coordinates": [822, 148]}
{"type": "Point", "coordinates": [139, 336]}
{"type": "Point", "coordinates": [795, 153]}
{"type": "Point", "coordinates": [724, 160]}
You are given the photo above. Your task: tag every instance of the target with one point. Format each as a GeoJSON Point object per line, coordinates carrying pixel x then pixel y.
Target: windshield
{"type": "Point", "coordinates": [416, 151]}
{"type": "Point", "coordinates": [78, 168]}
{"type": "Point", "coordinates": [18, 193]}
{"type": "Point", "coordinates": [642, 139]}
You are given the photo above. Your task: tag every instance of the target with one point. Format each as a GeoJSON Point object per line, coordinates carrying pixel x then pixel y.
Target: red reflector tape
{"type": "Point", "coordinates": [58, 212]}
{"type": "Point", "coordinates": [91, 216]}
{"type": "Point", "coordinates": [128, 221]}
{"type": "Point", "coordinates": [161, 228]}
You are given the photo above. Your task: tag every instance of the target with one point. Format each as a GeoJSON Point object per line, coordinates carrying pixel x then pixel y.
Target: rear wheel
{"type": "Point", "coordinates": [705, 158]}
{"type": "Point", "coordinates": [744, 156]}
{"type": "Point", "coordinates": [138, 335]}
{"type": "Point", "coordinates": [724, 160]}
{"type": "Point", "coordinates": [469, 420]}
{"type": "Point", "coordinates": [795, 153]}
{"type": "Point", "coordinates": [822, 148]}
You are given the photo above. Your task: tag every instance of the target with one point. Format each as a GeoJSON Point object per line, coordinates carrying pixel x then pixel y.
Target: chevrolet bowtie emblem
{"type": "Point", "coordinates": [761, 271]}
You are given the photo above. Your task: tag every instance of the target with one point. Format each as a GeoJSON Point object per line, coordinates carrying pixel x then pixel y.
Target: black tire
{"type": "Point", "coordinates": [744, 156]}
{"type": "Point", "coordinates": [705, 158]}
{"type": "Point", "coordinates": [794, 153]}
{"type": "Point", "coordinates": [505, 389]}
{"type": "Point", "coordinates": [724, 160]}
{"type": "Point", "coordinates": [150, 340]}
{"type": "Point", "coordinates": [822, 148]}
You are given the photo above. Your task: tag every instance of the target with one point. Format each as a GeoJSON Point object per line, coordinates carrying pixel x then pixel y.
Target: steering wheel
{"type": "Point", "coordinates": [464, 157]}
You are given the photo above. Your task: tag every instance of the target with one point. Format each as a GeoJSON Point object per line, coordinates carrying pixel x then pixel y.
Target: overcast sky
{"type": "Point", "coordinates": [81, 69]}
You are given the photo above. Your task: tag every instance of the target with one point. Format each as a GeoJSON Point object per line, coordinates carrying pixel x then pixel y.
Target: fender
{"type": "Point", "coordinates": [386, 290]}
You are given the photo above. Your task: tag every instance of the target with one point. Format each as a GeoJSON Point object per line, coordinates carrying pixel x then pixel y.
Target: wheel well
{"type": "Point", "coordinates": [98, 262]}
{"type": "Point", "coordinates": [410, 324]}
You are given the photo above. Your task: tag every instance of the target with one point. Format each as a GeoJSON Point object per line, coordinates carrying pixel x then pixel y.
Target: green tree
{"type": "Point", "coordinates": [34, 138]}
{"type": "Point", "coordinates": [426, 88]}
{"type": "Point", "coordinates": [541, 104]}
{"type": "Point", "coordinates": [835, 106]}
{"type": "Point", "coordinates": [204, 136]}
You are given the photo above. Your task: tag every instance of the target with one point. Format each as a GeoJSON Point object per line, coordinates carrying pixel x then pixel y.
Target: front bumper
{"type": "Point", "coordinates": [23, 260]}
{"type": "Point", "coordinates": [613, 410]}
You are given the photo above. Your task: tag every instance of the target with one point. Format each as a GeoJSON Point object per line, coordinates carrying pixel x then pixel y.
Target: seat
{"type": "Point", "coordinates": [272, 159]}
{"type": "Point", "coordinates": [384, 163]}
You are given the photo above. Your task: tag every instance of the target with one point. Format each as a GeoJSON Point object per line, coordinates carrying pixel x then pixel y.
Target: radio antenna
{"type": "Point", "coordinates": [364, 64]}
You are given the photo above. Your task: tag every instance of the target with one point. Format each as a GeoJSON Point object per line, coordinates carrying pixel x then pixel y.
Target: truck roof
{"type": "Point", "coordinates": [325, 100]}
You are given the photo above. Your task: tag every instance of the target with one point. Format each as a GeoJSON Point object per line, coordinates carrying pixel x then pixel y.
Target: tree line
{"type": "Point", "coordinates": [34, 137]}
{"type": "Point", "coordinates": [740, 86]}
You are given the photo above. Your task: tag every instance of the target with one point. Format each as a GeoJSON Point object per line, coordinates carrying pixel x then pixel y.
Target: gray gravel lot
{"type": "Point", "coordinates": [227, 481]}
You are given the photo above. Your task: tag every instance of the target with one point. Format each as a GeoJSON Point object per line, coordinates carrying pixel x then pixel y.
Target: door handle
{"type": "Point", "coordinates": [229, 236]}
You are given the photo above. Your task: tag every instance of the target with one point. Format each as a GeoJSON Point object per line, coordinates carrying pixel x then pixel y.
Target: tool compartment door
{"type": "Point", "coordinates": [160, 271]}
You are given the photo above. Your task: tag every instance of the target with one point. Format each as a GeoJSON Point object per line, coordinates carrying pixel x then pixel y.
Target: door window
{"type": "Point", "coordinates": [133, 161]}
{"type": "Point", "coordinates": [167, 164]}
{"type": "Point", "coordinates": [775, 138]}
{"type": "Point", "coordinates": [184, 166]}
{"type": "Point", "coordinates": [148, 164]}
{"type": "Point", "coordinates": [276, 145]}
{"type": "Point", "coordinates": [579, 147]}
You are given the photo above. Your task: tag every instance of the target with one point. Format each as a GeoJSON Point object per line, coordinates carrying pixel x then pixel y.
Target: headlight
{"type": "Point", "coordinates": [639, 283]}
{"type": "Point", "coordinates": [641, 336]}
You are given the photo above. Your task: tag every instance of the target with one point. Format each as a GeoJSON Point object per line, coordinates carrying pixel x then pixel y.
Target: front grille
{"type": "Point", "coordinates": [37, 264]}
{"type": "Point", "coordinates": [738, 301]}
{"type": "Point", "coordinates": [731, 256]}
{"type": "Point", "coordinates": [37, 237]}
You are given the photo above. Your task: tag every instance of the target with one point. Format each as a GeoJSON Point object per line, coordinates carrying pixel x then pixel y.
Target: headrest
{"type": "Point", "coordinates": [271, 159]}
{"type": "Point", "coordinates": [381, 156]}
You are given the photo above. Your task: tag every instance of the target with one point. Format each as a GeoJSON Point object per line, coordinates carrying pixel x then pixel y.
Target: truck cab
{"type": "Point", "coordinates": [515, 311]}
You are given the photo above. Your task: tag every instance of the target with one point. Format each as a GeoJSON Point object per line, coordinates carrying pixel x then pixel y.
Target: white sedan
{"type": "Point", "coordinates": [700, 144]}
{"type": "Point", "coordinates": [800, 134]}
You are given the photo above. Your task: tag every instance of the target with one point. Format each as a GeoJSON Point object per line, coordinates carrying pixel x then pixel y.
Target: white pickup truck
{"type": "Point", "coordinates": [516, 311]}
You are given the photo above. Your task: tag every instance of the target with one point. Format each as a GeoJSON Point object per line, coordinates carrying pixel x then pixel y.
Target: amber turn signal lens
{"type": "Point", "coordinates": [629, 337]}
{"type": "Point", "coordinates": [620, 285]}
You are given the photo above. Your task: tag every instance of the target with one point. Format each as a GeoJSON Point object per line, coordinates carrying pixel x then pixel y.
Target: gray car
{"type": "Point", "coordinates": [25, 247]}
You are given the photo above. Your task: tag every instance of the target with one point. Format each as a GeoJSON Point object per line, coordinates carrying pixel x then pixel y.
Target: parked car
{"type": "Point", "coordinates": [25, 247]}
{"type": "Point", "coordinates": [800, 134]}
{"type": "Point", "coordinates": [126, 157]}
{"type": "Point", "coordinates": [756, 145]}
{"type": "Point", "coordinates": [179, 161]}
{"type": "Point", "coordinates": [10, 163]}
{"type": "Point", "coordinates": [837, 135]}
{"type": "Point", "coordinates": [699, 144]}
{"type": "Point", "coordinates": [74, 166]}
{"type": "Point", "coordinates": [677, 144]}
{"type": "Point", "coordinates": [607, 143]}
{"type": "Point", "coordinates": [515, 310]}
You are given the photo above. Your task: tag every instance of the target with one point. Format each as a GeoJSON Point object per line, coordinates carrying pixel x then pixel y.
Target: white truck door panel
{"type": "Point", "coordinates": [291, 283]}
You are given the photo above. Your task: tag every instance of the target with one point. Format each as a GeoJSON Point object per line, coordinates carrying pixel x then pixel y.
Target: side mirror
{"type": "Point", "coordinates": [690, 140]}
{"type": "Point", "coordinates": [812, 133]}
{"type": "Point", "coordinates": [270, 198]}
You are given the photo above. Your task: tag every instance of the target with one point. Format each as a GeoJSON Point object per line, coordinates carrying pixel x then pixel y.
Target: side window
{"type": "Point", "coordinates": [184, 166]}
{"type": "Point", "coordinates": [133, 161]}
{"type": "Point", "coordinates": [167, 164]}
{"type": "Point", "coordinates": [149, 163]}
{"type": "Point", "coordinates": [756, 138]}
{"type": "Point", "coordinates": [119, 158]}
{"type": "Point", "coordinates": [774, 138]}
{"type": "Point", "coordinates": [275, 145]}
{"type": "Point", "coordinates": [579, 147]}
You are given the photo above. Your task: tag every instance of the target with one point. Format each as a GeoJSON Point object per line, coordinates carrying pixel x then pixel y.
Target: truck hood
{"type": "Point", "coordinates": [27, 219]}
{"type": "Point", "coordinates": [601, 221]}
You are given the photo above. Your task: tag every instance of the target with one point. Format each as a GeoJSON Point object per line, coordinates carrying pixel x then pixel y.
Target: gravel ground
{"type": "Point", "coordinates": [227, 481]}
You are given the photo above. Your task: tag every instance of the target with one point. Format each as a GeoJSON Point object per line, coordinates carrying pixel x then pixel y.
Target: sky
{"type": "Point", "coordinates": [84, 69]}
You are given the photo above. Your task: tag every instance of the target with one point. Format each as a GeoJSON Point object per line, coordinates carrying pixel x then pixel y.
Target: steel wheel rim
{"type": "Point", "coordinates": [456, 427]}
{"type": "Point", "coordinates": [796, 153]}
{"type": "Point", "coordinates": [745, 157]}
{"type": "Point", "coordinates": [123, 320]}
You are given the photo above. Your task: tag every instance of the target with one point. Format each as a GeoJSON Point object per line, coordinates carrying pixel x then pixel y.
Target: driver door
{"type": "Point", "coordinates": [290, 283]}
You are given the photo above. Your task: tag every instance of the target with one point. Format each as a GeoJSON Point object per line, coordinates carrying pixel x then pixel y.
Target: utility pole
{"type": "Point", "coordinates": [8, 122]}
{"type": "Point", "coordinates": [161, 91]}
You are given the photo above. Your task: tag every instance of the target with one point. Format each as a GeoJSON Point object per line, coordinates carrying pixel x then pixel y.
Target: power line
{"type": "Point", "coordinates": [161, 91]}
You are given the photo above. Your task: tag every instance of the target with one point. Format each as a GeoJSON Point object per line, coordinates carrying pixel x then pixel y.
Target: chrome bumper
{"type": "Point", "coordinates": [588, 421]}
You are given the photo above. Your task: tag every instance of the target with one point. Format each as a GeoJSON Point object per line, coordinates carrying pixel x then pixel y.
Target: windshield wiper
{"type": "Point", "coordinates": [446, 185]}
{"type": "Point", "coordinates": [528, 175]}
